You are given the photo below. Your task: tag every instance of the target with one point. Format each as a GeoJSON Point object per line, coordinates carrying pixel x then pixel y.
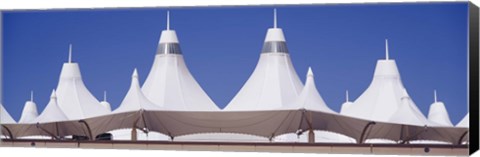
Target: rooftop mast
{"type": "Point", "coordinates": [168, 20]}
{"type": "Point", "coordinates": [275, 18]}
{"type": "Point", "coordinates": [105, 95]}
{"type": "Point", "coordinates": [346, 96]}
{"type": "Point", "coordinates": [386, 49]}
{"type": "Point", "coordinates": [70, 54]}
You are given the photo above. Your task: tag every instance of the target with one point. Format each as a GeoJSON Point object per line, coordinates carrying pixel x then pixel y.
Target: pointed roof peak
{"type": "Point", "coordinates": [309, 73]}
{"type": "Point", "coordinates": [53, 95]}
{"type": "Point", "coordinates": [168, 20]}
{"type": "Point", "coordinates": [387, 57]}
{"type": "Point", "coordinates": [435, 95]}
{"type": "Point", "coordinates": [275, 18]}
{"type": "Point", "coordinates": [70, 47]}
{"type": "Point", "coordinates": [135, 73]}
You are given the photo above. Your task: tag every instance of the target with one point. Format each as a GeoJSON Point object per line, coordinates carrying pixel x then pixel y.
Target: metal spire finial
{"type": "Point", "coordinates": [168, 20]}
{"type": "Point", "coordinates": [275, 18]}
{"type": "Point", "coordinates": [386, 50]}
{"type": "Point", "coordinates": [70, 53]}
{"type": "Point", "coordinates": [346, 96]}
{"type": "Point", "coordinates": [105, 95]}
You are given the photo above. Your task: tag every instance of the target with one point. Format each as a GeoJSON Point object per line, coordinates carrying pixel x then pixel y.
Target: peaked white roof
{"type": "Point", "coordinates": [465, 121]}
{"type": "Point", "coordinates": [274, 84]}
{"type": "Point", "coordinates": [408, 113]}
{"type": "Point", "coordinates": [73, 97]}
{"type": "Point", "coordinates": [105, 103]}
{"type": "Point", "coordinates": [438, 113]}
{"type": "Point", "coordinates": [5, 117]}
{"type": "Point", "coordinates": [29, 112]}
{"type": "Point", "coordinates": [170, 84]}
{"type": "Point", "coordinates": [382, 100]}
{"type": "Point", "coordinates": [347, 103]}
{"type": "Point", "coordinates": [309, 98]}
{"type": "Point", "coordinates": [52, 112]}
{"type": "Point", "coordinates": [135, 99]}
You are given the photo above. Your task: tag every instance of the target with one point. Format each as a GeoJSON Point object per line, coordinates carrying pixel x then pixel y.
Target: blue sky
{"type": "Point", "coordinates": [221, 46]}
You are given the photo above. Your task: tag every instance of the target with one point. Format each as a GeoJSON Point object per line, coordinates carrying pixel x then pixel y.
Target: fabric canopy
{"type": "Point", "coordinates": [266, 124]}
{"type": "Point", "coordinates": [51, 122]}
{"type": "Point", "coordinates": [274, 84]}
{"type": "Point", "coordinates": [260, 123]}
{"type": "Point", "coordinates": [170, 84]}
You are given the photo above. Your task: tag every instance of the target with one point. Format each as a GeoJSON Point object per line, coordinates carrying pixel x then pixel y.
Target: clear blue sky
{"type": "Point", "coordinates": [222, 45]}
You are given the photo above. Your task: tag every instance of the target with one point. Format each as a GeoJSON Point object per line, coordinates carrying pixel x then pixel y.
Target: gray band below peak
{"type": "Point", "coordinates": [169, 48]}
{"type": "Point", "coordinates": [275, 47]}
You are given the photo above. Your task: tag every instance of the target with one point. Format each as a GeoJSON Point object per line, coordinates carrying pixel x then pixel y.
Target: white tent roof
{"type": "Point", "coordinates": [438, 113]}
{"type": "Point", "coordinates": [5, 117]}
{"type": "Point", "coordinates": [346, 104]}
{"type": "Point", "coordinates": [105, 103]}
{"type": "Point", "coordinates": [170, 84]}
{"type": "Point", "coordinates": [73, 97]}
{"type": "Point", "coordinates": [52, 112]}
{"type": "Point", "coordinates": [383, 98]}
{"type": "Point", "coordinates": [464, 122]}
{"type": "Point", "coordinates": [29, 112]}
{"type": "Point", "coordinates": [135, 99]}
{"type": "Point", "coordinates": [274, 83]}
{"type": "Point", "coordinates": [408, 113]}
{"type": "Point", "coordinates": [309, 98]}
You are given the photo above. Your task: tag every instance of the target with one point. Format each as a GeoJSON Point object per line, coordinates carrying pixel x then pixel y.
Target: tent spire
{"type": "Point", "coordinates": [105, 95]}
{"type": "Point", "coordinates": [435, 95]}
{"type": "Point", "coordinates": [346, 96]}
{"type": "Point", "coordinates": [168, 20]}
{"type": "Point", "coordinates": [135, 73]}
{"type": "Point", "coordinates": [309, 73]}
{"type": "Point", "coordinates": [386, 49]}
{"type": "Point", "coordinates": [275, 18]}
{"type": "Point", "coordinates": [31, 95]}
{"type": "Point", "coordinates": [70, 53]}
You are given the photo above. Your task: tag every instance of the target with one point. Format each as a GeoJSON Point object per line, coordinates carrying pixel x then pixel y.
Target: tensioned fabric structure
{"type": "Point", "coordinates": [438, 113]}
{"type": "Point", "coordinates": [51, 122]}
{"type": "Point", "coordinates": [464, 122]}
{"type": "Point", "coordinates": [5, 117]}
{"type": "Point", "coordinates": [170, 84]}
{"type": "Point", "coordinates": [408, 113]}
{"type": "Point", "coordinates": [274, 83]}
{"type": "Point", "coordinates": [29, 112]}
{"type": "Point", "coordinates": [310, 99]}
{"type": "Point", "coordinates": [386, 99]}
{"type": "Point", "coordinates": [346, 104]}
{"type": "Point", "coordinates": [134, 101]}
{"type": "Point", "coordinates": [73, 97]}
{"type": "Point", "coordinates": [172, 103]}
{"type": "Point", "coordinates": [105, 103]}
